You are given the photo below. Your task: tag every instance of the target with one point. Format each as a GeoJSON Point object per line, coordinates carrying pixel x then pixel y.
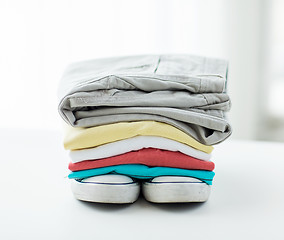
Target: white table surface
{"type": "Point", "coordinates": [246, 202]}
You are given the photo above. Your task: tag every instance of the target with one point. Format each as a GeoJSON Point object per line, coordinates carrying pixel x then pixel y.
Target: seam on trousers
{"type": "Point", "coordinates": [157, 64]}
{"type": "Point", "coordinates": [204, 98]}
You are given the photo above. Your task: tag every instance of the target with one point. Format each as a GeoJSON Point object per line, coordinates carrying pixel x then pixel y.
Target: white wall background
{"type": "Point", "coordinates": [39, 38]}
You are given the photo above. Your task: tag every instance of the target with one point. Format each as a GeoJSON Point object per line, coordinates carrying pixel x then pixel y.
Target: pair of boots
{"type": "Point", "coordinates": [121, 189]}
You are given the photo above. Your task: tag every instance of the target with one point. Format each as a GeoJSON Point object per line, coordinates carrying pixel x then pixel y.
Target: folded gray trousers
{"type": "Point", "coordinates": [188, 92]}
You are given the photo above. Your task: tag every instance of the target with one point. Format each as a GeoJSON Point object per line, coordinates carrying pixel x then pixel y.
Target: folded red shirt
{"type": "Point", "coordinates": [151, 157]}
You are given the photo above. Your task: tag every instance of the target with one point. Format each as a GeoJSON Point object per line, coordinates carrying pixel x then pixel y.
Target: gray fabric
{"type": "Point", "coordinates": [194, 130]}
{"type": "Point", "coordinates": [184, 91]}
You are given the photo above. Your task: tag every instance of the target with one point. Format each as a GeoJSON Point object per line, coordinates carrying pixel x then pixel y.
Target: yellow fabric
{"type": "Point", "coordinates": [80, 138]}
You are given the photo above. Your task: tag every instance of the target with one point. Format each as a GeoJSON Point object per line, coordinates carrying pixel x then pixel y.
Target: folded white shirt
{"type": "Point", "coordinates": [134, 144]}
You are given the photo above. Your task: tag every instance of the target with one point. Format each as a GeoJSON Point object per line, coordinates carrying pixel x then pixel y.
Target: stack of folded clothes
{"type": "Point", "coordinates": [144, 120]}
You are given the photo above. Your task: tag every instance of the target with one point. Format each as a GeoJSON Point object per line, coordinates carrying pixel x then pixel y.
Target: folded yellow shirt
{"type": "Point", "coordinates": [80, 138]}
